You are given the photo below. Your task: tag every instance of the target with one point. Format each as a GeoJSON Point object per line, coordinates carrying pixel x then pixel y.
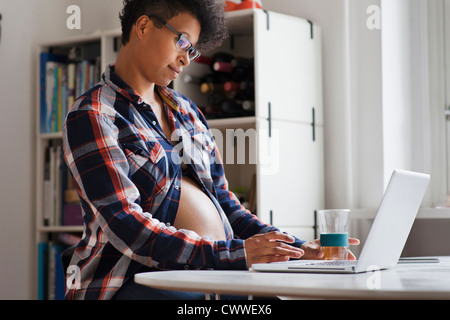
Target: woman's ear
{"type": "Point", "coordinates": [142, 25]}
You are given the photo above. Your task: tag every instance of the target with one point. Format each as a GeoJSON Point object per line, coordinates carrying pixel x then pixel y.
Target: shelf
{"type": "Point", "coordinates": [241, 21]}
{"type": "Point", "coordinates": [231, 122]}
{"type": "Point", "coordinates": [424, 213]}
{"type": "Point", "coordinates": [434, 213]}
{"type": "Point", "coordinates": [50, 135]}
{"type": "Point", "coordinates": [80, 39]}
{"type": "Point", "coordinates": [113, 33]}
{"type": "Point", "coordinates": [60, 229]}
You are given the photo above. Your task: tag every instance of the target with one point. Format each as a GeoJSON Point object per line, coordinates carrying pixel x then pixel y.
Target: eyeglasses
{"type": "Point", "coordinates": [183, 44]}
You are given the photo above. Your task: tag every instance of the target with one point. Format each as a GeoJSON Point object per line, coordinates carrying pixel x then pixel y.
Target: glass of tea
{"type": "Point", "coordinates": [333, 227]}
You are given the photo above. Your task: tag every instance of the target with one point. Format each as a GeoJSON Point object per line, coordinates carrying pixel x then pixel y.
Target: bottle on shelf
{"type": "Point", "coordinates": [214, 83]}
{"type": "Point", "coordinates": [210, 88]}
{"type": "Point", "coordinates": [221, 66]}
{"type": "Point", "coordinates": [215, 78]}
{"type": "Point", "coordinates": [249, 105]}
{"type": "Point", "coordinates": [235, 108]}
{"type": "Point", "coordinates": [212, 109]}
{"type": "Point", "coordinates": [232, 86]}
{"type": "Point", "coordinates": [218, 57]}
{"type": "Point", "coordinates": [236, 71]}
{"type": "Point", "coordinates": [248, 91]}
{"type": "Point", "coordinates": [229, 87]}
{"type": "Point", "coordinates": [236, 62]}
{"type": "Point", "coordinates": [204, 60]}
{"type": "Point", "coordinates": [243, 62]}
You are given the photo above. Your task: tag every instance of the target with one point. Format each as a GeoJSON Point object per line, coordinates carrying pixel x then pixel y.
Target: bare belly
{"type": "Point", "coordinates": [197, 212]}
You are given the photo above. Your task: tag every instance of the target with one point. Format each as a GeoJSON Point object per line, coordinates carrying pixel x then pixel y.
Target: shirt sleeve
{"type": "Point", "coordinates": [110, 201]}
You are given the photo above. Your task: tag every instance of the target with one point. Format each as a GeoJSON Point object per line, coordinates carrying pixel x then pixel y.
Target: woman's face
{"type": "Point", "coordinates": [158, 58]}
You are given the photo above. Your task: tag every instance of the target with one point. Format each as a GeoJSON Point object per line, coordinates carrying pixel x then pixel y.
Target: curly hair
{"type": "Point", "coordinates": [209, 13]}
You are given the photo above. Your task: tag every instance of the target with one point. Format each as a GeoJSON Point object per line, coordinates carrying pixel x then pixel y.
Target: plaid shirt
{"type": "Point", "coordinates": [128, 176]}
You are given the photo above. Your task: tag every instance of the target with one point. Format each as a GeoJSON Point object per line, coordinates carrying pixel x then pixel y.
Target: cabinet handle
{"type": "Point", "coordinates": [315, 224]}
{"type": "Point", "coordinates": [267, 20]}
{"type": "Point", "coordinates": [269, 119]}
{"type": "Point", "coordinates": [313, 124]}
{"type": "Point", "coordinates": [311, 26]}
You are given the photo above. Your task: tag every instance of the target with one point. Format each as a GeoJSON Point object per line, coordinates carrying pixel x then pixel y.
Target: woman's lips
{"type": "Point", "coordinates": [176, 71]}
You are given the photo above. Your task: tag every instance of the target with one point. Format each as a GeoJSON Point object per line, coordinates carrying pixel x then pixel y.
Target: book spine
{"type": "Point", "coordinates": [61, 83]}
{"type": "Point", "coordinates": [42, 270]}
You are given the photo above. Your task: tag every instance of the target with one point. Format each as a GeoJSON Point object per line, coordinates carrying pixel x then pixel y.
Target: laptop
{"type": "Point", "coordinates": [387, 236]}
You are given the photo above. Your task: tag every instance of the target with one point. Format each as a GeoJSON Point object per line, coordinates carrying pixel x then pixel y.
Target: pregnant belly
{"type": "Point", "coordinates": [197, 212]}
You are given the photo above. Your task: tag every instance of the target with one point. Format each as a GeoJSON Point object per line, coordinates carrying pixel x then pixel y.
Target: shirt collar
{"type": "Point", "coordinates": [168, 97]}
{"type": "Point", "coordinates": [117, 84]}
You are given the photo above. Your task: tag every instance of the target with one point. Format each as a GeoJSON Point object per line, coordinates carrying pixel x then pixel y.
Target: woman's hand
{"type": "Point", "coordinates": [271, 247]}
{"type": "Point", "coordinates": [313, 250]}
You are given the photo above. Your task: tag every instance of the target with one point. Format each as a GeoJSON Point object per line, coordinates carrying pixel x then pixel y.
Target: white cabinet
{"type": "Point", "coordinates": [290, 179]}
{"type": "Point", "coordinates": [288, 67]}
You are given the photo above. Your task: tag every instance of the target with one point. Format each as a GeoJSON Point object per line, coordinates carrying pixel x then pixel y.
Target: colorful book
{"type": "Point", "coordinates": [45, 58]}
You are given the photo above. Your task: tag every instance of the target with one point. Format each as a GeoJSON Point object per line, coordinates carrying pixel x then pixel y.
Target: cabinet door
{"type": "Point", "coordinates": [289, 173]}
{"type": "Point", "coordinates": [287, 67]}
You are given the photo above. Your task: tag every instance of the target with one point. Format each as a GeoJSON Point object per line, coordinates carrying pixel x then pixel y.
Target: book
{"type": "Point", "coordinates": [42, 270]}
{"type": "Point", "coordinates": [54, 185]}
{"type": "Point", "coordinates": [72, 214]}
{"type": "Point", "coordinates": [51, 274]}
{"type": "Point", "coordinates": [58, 287]}
{"type": "Point", "coordinates": [46, 59]}
{"type": "Point", "coordinates": [62, 81]}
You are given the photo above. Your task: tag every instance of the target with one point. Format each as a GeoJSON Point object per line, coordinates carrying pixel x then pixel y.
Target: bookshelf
{"type": "Point", "coordinates": [66, 68]}
{"type": "Point", "coordinates": [282, 137]}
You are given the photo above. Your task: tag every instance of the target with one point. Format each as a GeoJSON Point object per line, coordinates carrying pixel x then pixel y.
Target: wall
{"type": "Point", "coordinates": [365, 86]}
{"type": "Point", "coordinates": [405, 107]}
{"type": "Point", "coordinates": [26, 23]}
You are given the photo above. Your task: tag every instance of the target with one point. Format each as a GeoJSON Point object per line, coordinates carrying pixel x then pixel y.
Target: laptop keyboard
{"type": "Point", "coordinates": [335, 263]}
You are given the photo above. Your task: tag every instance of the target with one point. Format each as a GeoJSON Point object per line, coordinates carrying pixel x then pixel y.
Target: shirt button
{"type": "Point", "coordinates": [176, 187]}
{"type": "Point", "coordinates": [168, 224]}
{"type": "Point", "coordinates": [154, 123]}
